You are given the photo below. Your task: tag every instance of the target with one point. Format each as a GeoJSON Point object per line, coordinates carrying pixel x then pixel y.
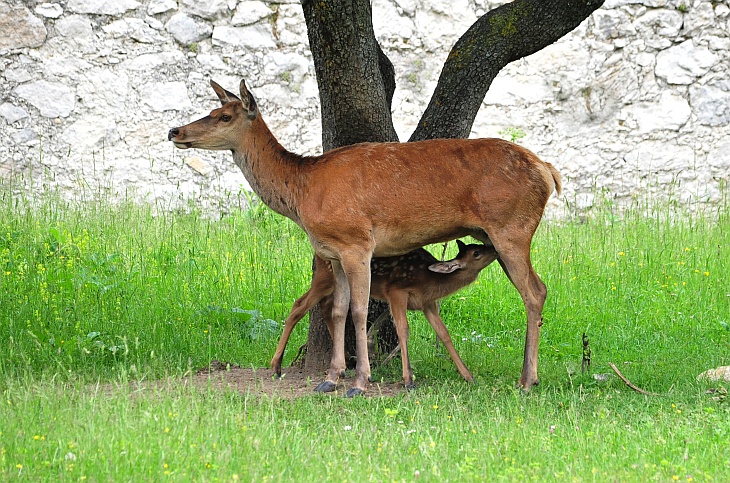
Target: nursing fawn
{"type": "Point", "coordinates": [414, 281]}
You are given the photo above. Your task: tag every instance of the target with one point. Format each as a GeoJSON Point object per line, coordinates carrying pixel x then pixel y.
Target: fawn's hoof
{"type": "Point", "coordinates": [326, 386]}
{"type": "Point", "coordinates": [411, 387]}
{"type": "Point", "coordinates": [354, 391]}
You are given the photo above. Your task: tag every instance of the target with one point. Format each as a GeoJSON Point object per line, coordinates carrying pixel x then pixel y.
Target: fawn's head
{"type": "Point", "coordinates": [473, 257]}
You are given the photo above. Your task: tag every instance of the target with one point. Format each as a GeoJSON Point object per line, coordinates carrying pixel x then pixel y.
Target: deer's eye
{"type": "Point", "coordinates": [226, 118]}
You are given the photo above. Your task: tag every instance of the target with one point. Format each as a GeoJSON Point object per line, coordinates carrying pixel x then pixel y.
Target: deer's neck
{"type": "Point", "coordinates": [273, 172]}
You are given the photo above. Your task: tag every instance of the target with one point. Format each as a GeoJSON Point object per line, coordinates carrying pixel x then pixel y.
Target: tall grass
{"type": "Point", "coordinates": [92, 288]}
{"type": "Point", "coordinates": [647, 283]}
{"type": "Point", "coordinates": [96, 292]}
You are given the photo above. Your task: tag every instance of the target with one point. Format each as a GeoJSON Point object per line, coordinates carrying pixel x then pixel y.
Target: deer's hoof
{"type": "Point", "coordinates": [326, 386]}
{"type": "Point", "coordinates": [525, 387]}
{"type": "Point", "coordinates": [411, 387]}
{"type": "Point", "coordinates": [354, 391]}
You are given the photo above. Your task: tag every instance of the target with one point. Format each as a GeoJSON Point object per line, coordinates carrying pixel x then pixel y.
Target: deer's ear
{"type": "Point", "coordinates": [249, 103]}
{"type": "Point", "coordinates": [445, 267]}
{"type": "Point", "coordinates": [224, 96]}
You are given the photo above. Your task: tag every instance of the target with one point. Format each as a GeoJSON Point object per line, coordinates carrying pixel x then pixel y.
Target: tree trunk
{"type": "Point", "coordinates": [355, 78]}
{"type": "Point", "coordinates": [356, 82]}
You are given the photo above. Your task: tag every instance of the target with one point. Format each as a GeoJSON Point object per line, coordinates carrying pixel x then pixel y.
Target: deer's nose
{"type": "Point", "coordinates": [173, 133]}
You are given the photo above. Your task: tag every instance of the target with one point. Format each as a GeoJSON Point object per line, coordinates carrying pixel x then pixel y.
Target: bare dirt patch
{"type": "Point", "coordinates": [294, 383]}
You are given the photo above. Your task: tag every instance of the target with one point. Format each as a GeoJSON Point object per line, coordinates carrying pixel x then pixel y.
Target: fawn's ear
{"type": "Point", "coordinates": [224, 96]}
{"type": "Point", "coordinates": [445, 267]}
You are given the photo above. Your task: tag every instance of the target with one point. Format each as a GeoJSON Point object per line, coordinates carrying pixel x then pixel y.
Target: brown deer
{"type": "Point", "coordinates": [386, 199]}
{"type": "Point", "coordinates": [414, 281]}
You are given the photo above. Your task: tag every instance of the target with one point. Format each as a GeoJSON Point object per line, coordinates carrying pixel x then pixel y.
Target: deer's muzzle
{"type": "Point", "coordinates": [172, 134]}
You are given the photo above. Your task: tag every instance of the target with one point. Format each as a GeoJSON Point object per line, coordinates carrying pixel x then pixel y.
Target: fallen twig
{"type": "Point", "coordinates": [391, 355]}
{"type": "Point", "coordinates": [302, 351]}
{"type": "Point", "coordinates": [629, 383]}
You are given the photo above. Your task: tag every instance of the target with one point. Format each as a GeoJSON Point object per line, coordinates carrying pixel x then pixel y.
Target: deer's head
{"type": "Point", "coordinates": [223, 127]}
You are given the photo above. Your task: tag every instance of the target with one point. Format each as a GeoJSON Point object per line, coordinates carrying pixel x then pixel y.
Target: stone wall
{"type": "Point", "coordinates": [636, 99]}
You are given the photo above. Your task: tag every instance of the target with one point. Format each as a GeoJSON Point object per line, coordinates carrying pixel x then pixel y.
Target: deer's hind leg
{"type": "Point", "coordinates": [398, 302]}
{"type": "Point", "coordinates": [320, 291]}
{"type": "Point", "coordinates": [431, 311]}
{"type": "Point", "coordinates": [513, 248]}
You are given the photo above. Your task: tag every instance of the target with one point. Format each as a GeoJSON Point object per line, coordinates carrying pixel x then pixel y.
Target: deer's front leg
{"type": "Point", "coordinates": [340, 305]}
{"type": "Point", "coordinates": [357, 267]}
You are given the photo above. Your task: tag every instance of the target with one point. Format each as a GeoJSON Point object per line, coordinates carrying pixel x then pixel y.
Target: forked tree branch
{"type": "Point", "coordinates": [499, 37]}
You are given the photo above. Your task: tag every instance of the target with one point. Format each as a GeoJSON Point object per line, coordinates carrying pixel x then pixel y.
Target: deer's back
{"type": "Point", "coordinates": [407, 195]}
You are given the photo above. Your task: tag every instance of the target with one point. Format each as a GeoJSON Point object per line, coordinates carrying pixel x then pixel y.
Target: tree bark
{"type": "Point", "coordinates": [356, 83]}
{"type": "Point", "coordinates": [356, 79]}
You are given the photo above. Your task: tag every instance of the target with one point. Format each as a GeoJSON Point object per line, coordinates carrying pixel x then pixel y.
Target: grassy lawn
{"type": "Point", "coordinates": [94, 294]}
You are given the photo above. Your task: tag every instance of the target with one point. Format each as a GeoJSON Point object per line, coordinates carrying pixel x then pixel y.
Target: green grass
{"type": "Point", "coordinates": [94, 293]}
{"type": "Point", "coordinates": [91, 289]}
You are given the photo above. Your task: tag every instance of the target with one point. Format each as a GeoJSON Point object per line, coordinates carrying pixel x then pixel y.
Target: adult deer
{"type": "Point", "coordinates": [386, 199]}
{"type": "Point", "coordinates": [414, 281]}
